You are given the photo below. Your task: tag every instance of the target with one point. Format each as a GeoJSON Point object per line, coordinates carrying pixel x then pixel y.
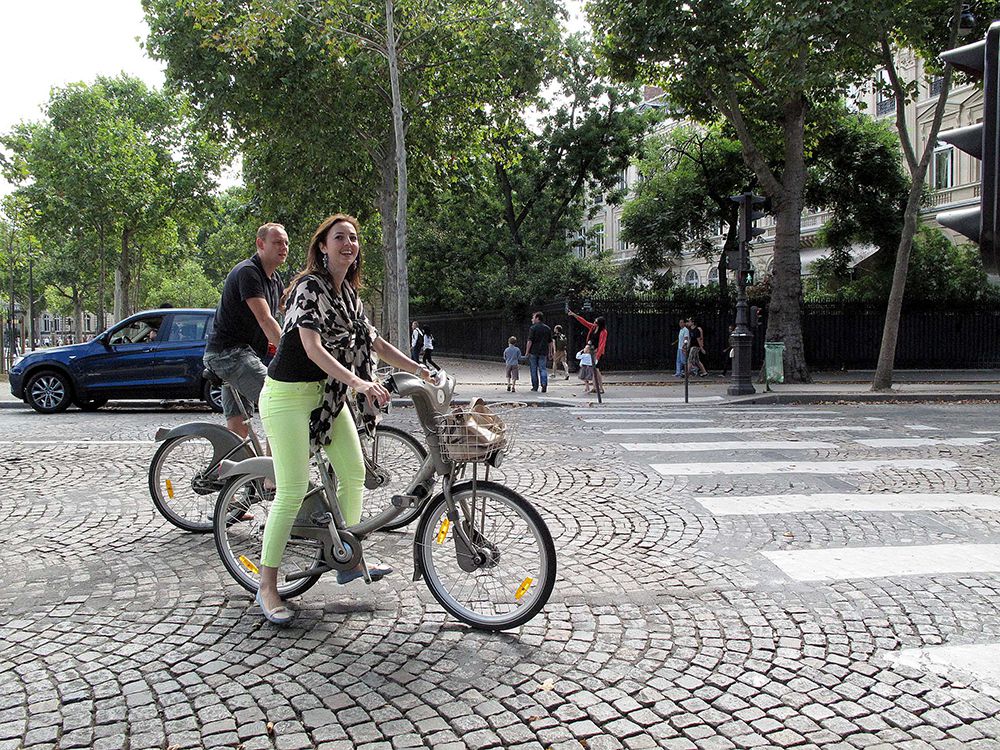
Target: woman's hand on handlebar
{"type": "Point", "coordinates": [376, 393]}
{"type": "Point", "coordinates": [424, 373]}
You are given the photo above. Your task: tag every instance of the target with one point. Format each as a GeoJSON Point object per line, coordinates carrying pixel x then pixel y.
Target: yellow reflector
{"type": "Point", "coordinates": [170, 489]}
{"type": "Point", "coordinates": [246, 563]}
{"type": "Point", "coordinates": [523, 588]}
{"type": "Point", "coordinates": [443, 531]}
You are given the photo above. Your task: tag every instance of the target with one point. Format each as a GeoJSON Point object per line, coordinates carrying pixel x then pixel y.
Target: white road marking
{"type": "Point", "coordinates": [886, 562]}
{"type": "Point", "coordinates": [924, 427]}
{"type": "Point", "coordinates": [921, 442]}
{"type": "Point", "coordinates": [979, 661]}
{"type": "Point", "coordinates": [77, 442]}
{"type": "Point", "coordinates": [752, 505]}
{"type": "Point", "coordinates": [985, 432]}
{"type": "Point", "coordinates": [736, 445]}
{"type": "Point", "coordinates": [686, 430]}
{"type": "Point", "coordinates": [649, 421]}
{"type": "Point", "coordinates": [794, 467]}
{"type": "Point", "coordinates": [827, 428]}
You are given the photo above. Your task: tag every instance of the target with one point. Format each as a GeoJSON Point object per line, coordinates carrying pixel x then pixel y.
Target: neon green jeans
{"type": "Point", "coordinates": [285, 410]}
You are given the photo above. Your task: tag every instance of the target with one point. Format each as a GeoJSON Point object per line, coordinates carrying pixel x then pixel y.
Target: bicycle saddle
{"type": "Point", "coordinates": [212, 378]}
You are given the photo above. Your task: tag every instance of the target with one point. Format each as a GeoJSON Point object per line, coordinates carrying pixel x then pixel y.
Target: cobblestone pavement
{"type": "Point", "coordinates": [688, 612]}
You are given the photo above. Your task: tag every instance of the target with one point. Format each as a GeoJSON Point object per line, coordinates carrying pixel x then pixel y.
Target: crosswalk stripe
{"type": "Point", "coordinates": [796, 467]}
{"type": "Point", "coordinates": [77, 442]}
{"type": "Point", "coordinates": [829, 428]}
{"type": "Point", "coordinates": [884, 562]}
{"type": "Point", "coordinates": [733, 445]}
{"type": "Point", "coordinates": [649, 421]}
{"type": "Point", "coordinates": [979, 661]}
{"type": "Point", "coordinates": [685, 430]}
{"type": "Point", "coordinates": [752, 505]}
{"type": "Point", "coordinates": [921, 442]}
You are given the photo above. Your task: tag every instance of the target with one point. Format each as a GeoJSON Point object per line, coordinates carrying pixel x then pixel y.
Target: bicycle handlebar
{"type": "Point", "coordinates": [428, 398]}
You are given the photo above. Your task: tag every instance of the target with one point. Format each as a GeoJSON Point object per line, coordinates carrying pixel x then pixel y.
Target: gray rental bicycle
{"type": "Point", "coordinates": [483, 550]}
{"type": "Point", "coordinates": [184, 479]}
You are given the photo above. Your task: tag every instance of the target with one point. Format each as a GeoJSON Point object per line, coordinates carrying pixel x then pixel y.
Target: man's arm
{"type": "Point", "coordinates": [258, 306]}
{"type": "Point", "coordinates": [552, 350]}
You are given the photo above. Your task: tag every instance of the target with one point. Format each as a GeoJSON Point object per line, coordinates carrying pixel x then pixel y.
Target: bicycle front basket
{"type": "Point", "coordinates": [473, 434]}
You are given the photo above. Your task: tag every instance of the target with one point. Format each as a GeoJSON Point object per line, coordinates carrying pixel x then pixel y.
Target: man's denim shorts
{"type": "Point", "coordinates": [242, 369]}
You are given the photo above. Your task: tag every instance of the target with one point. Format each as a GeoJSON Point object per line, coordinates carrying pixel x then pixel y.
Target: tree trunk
{"type": "Point", "coordinates": [386, 203]}
{"type": "Point", "coordinates": [784, 318]}
{"type": "Point", "coordinates": [78, 310]}
{"type": "Point", "coordinates": [123, 278]}
{"type": "Point", "coordinates": [402, 275]}
{"type": "Point", "coordinates": [911, 218]}
{"type": "Point", "coordinates": [102, 316]}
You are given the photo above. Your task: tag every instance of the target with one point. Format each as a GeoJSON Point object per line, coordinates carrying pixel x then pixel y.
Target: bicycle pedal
{"type": "Point", "coordinates": [405, 501]}
{"type": "Point", "coordinates": [321, 519]}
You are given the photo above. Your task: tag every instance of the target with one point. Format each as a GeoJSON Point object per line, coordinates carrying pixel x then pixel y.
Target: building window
{"type": "Point", "coordinates": [623, 180]}
{"type": "Point", "coordinates": [598, 238]}
{"type": "Point", "coordinates": [713, 275]}
{"type": "Point", "coordinates": [943, 177]}
{"type": "Point", "coordinates": [598, 199]}
{"type": "Point", "coordinates": [691, 278]}
{"type": "Point", "coordinates": [937, 83]}
{"type": "Point", "coordinates": [885, 99]}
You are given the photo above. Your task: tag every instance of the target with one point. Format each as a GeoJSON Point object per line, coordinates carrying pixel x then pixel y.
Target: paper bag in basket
{"type": "Point", "coordinates": [475, 433]}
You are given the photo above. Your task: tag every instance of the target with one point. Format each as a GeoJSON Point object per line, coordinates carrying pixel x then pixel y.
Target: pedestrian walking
{"type": "Point", "coordinates": [511, 358]}
{"type": "Point", "coordinates": [416, 341]}
{"type": "Point", "coordinates": [683, 340]}
{"type": "Point", "coordinates": [727, 352]}
{"type": "Point", "coordinates": [696, 348]}
{"type": "Point", "coordinates": [429, 349]}
{"type": "Point", "coordinates": [559, 343]}
{"type": "Point", "coordinates": [597, 337]}
{"type": "Point", "coordinates": [539, 340]}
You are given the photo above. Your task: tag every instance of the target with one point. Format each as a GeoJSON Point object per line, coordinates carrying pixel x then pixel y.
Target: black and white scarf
{"type": "Point", "coordinates": [344, 331]}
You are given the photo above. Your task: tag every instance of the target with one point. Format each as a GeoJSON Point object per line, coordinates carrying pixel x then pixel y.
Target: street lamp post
{"type": "Point", "coordinates": [743, 335]}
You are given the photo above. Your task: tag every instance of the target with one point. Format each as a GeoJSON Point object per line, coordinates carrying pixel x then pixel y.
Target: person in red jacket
{"type": "Point", "coordinates": [597, 337]}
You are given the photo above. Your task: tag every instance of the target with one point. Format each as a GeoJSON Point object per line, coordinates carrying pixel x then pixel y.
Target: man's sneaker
{"type": "Point", "coordinates": [534, 389]}
{"type": "Point", "coordinates": [508, 387]}
{"type": "Point", "coordinates": [545, 388]}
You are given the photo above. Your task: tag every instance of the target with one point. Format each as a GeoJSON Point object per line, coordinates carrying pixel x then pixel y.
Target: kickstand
{"type": "Point", "coordinates": [364, 569]}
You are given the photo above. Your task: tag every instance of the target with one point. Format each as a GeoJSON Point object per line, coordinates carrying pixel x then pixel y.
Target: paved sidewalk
{"type": "Point", "coordinates": [486, 379]}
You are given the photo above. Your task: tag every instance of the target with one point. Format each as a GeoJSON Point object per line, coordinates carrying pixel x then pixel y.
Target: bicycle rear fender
{"type": "Point", "coordinates": [223, 441]}
{"type": "Point", "coordinates": [259, 467]}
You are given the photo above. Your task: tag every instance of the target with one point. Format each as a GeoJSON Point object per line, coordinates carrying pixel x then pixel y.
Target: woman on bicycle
{"type": "Point", "coordinates": [326, 347]}
{"type": "Point", "coordinates": [597, 337]}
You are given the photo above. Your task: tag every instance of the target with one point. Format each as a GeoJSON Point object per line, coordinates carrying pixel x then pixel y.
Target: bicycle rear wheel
{"type": "Point", "coordinates": [239, 520]}
{"type": "Point", "coordinates": [184, 484]}
{"type": "Point", "coordinates": [518, 570]}
{"type": "Point", "coordinates": [396, 457]}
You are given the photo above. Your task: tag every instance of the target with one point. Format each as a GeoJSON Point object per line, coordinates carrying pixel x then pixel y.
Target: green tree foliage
{"type": "Point", "coordinates": [942, 275]}
{"type": "Point", "coordinates": [307, 91]}
{"type": "Point", "coordinates": [767, 68]}
{"type": "Point", "coordinates": [687, 176]}
{"type": "Point", "coordinates": [495, 231]}
{"type": "Point", "coordinates": [112, 165]}
{"type": "Point", "coordinates": [182, 285]}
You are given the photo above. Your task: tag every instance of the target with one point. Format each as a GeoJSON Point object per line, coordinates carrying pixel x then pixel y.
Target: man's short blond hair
{"type": "Point", "coordinates": [264, 229]}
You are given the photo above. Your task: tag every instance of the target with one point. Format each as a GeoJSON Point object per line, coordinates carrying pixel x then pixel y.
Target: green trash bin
{"type": "Point", "coordinates": [774, 361]}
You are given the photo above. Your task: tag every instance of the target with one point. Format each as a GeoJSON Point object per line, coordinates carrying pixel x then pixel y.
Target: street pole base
{"type": "Point", "coordinates": [740, 389]}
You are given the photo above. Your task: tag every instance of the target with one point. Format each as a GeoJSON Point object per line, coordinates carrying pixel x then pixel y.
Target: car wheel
{"type": "Point", "coordinates": [48, 392]}
{"type": "Point", "coordinates": [90, 404]}
{"type": "Point", "coordinates": [212, 396]}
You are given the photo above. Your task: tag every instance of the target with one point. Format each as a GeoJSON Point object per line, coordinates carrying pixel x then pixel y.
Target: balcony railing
{"type": "Point", "coordinates": [885, 107]}
{"type": "Point", "coordinates": [949, 196]}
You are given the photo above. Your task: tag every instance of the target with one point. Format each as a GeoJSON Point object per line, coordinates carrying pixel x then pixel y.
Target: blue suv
{"type": "Point", "coordinates": [154, 354]}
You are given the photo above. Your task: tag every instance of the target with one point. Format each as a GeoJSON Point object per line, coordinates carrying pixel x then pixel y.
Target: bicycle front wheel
{"type": "Point", "coordinates": [393, 458]}
{"type": "Point", "coordinates": [240, 517]}
{"type": "Point", "coordinates": [184, 483]}
{"type": "Point", "coordinates": [514, 577]}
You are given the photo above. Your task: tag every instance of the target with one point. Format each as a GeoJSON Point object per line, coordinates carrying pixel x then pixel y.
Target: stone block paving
{"type": "Point", "coordinates": [667, 628]}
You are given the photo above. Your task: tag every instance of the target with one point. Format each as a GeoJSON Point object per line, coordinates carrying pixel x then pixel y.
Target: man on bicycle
{"type": "Point", "coordinates": [245, 324]}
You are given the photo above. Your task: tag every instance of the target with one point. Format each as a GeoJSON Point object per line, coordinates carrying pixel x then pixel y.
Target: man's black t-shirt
{"type": "Point", "coordinates": [540, 335]}
{"type": "Point", "coordinates": [235, 324]}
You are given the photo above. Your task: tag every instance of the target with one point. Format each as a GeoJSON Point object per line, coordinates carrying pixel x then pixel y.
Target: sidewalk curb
{"type": "Point", "coordinates": [863, 398]}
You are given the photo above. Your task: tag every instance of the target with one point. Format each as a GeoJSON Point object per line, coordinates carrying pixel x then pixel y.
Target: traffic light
{"type": "Point", "coordinates": [980, 60]}
{"type": "Point", "coordinates": [750, 211]}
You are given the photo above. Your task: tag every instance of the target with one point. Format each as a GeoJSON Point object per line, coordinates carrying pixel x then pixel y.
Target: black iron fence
{"type": "Point", "coordinates": [642, 334]}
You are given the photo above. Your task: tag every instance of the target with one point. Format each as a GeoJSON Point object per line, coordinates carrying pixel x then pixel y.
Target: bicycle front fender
{"type": "Point", "coordinates": [259, 467]}
{"type": "Point", "coordinates": [225, 444]}
{"type": "Point", "coordinates": [456, 489]}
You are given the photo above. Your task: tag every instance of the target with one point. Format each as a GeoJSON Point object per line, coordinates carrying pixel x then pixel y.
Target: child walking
{"type": "Point", "coordinates": [586, 358]}
{"type": "Point", "coordinates": [511, 357]}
